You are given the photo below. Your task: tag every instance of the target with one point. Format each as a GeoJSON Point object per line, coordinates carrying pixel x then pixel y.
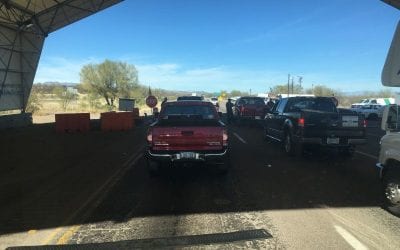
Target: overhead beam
{"type": "Point", "coordinates": [393, 3]}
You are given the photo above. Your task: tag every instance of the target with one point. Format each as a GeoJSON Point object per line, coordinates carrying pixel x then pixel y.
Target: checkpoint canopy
{"type": "Point", "coordinates": [24, 25]}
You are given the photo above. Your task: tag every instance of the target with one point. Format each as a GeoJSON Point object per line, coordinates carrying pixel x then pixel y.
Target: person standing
{"type": "Point", "coordinates": [164, 101]}
{"type": "Point", "coordinates": [229, 111]}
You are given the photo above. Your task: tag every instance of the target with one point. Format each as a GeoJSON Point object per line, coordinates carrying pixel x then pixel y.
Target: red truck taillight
{"type": "Point", "coordinates": [150, 136]}
{"type": "Point", "coordinates": [365, 123]}
{"type": "Point", "coordinates": [301, 122]}
{"type": "Point", "coordinates": [225, 137]}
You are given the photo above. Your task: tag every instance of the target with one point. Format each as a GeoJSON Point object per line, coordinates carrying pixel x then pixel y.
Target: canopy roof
{"type": "Point", "coordinates": [24, 24]}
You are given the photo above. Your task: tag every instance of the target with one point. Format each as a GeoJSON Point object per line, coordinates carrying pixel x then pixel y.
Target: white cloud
{"type": "Point", "coordinates": [57, 69]}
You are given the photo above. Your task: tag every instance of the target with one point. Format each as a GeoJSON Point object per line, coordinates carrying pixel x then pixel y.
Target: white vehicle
{"type": "Point", "coordinates": [389, 155]}
{"type": "Point", "coordinates": [214, 100]}
{"type": "Point", "coordinates": [373, 101]}
{"type": "Point", "coordinates": [389, 158]}
{"type": "Point", "coordinates": [371, 112]}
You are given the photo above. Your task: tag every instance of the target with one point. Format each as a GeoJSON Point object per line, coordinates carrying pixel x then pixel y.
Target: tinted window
{"type": "Point", "coordinates": [320, 104]}
{"type": "Point", "coordinates": [281, 105]}
{"type": "Point", "coordinates": [252, 101]}
{"type": "Point", "coordinates": [199, 111]}
{"type": "Point", "coordinates": [190, 98]}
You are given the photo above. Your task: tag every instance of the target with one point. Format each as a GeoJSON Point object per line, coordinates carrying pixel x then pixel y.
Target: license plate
{"type": "Point", "coordinates": [350, 121]}
{"type": "Point", "coordinates": [333, 140]}
{"type": "Point", "coordinates": [188, 155]}
{"type": "Point", "coordinates": [258, 117]}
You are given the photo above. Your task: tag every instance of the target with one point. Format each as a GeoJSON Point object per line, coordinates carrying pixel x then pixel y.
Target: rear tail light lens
{"type": "Point", "coordinates": [149, 136]}
{"type": "Point", "coordinates": [225, 138]}
{"type": "Point", "coordinates": [301, 122]}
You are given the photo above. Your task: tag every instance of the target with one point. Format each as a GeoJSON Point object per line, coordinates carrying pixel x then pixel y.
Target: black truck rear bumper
{"type": "Point", "coordinates": [323, 141]}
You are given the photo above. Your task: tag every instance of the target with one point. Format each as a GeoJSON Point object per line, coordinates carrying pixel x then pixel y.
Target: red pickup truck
{"type": "Point", "coordinates": [188, 132]}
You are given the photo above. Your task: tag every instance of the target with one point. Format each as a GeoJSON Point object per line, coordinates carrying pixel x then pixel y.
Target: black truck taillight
{"type": "Point", "coordinates": [301, 122]}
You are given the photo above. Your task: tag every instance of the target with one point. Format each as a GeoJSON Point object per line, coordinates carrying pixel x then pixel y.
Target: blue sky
{"type": "Point", "coordinates": [215, 45]}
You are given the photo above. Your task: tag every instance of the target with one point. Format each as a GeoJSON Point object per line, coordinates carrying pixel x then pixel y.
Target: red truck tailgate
{"type": "Point", "coordinates": [187, 138]}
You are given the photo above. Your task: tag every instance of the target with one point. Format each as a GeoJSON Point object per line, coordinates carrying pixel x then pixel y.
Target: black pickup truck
{"type": "Point", "coordinates": [300, 121]}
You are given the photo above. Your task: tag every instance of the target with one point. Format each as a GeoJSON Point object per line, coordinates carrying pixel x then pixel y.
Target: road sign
{"type": "Point", "coordinates": [151, 101]}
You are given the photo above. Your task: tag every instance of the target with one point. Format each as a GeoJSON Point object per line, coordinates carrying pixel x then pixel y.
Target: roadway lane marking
{"type": "Point", "coordinates": [239, 138]}
{"type": "Point", "coordinates": [356, 244]}
{"type": "Point", "coordinates": [99, 194]}
{"type": "Point", "coordinates": [367, 155]}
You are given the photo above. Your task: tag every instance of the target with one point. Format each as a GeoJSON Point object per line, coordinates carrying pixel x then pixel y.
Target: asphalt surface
{"type": "Point", "coordinates": [267, 200]}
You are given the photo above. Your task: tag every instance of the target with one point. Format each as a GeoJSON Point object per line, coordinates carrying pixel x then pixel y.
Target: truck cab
{"type": "Point", "coordinates": [389, 158]}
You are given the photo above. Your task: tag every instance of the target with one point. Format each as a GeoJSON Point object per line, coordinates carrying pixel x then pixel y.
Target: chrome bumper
{"type": "Point", "coordinates": [201, 157]}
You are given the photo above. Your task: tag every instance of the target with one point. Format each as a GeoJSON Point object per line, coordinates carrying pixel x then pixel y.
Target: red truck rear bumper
{"type": "Point", "coordinates": [206, 157]}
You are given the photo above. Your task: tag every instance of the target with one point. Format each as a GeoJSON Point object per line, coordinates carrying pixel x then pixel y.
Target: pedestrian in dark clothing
{"type": "Point", "coordinates": [229, 111]}
{"type": "Point", "coordinates": [164, 101]}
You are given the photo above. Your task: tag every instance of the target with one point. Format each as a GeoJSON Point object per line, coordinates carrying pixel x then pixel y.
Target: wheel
{"type": "Point", "coordinates": [290, 147]}
{"type": "Point", "coordinates": [391, 189]}
{"type": "Point", "coordinates": [373, 117]}
{"type": "Point", "coordinates": [153, 167]}
{"type": "Point", "coordinates": [288, 144]}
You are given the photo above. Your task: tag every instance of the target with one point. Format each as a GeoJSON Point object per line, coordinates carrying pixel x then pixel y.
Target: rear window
{"type": "Point", "coordinates": [319, 104]}
{"type": "Point", "coordinates": [189, 98]}
{"type": "Point", "coordinates": [251, 101]}
{"type": "Point", "coordinates": [188, 111]}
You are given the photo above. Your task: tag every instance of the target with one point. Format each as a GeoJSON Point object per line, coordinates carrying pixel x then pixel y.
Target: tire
{"type": "Point", "coordinates": [153, 168]}
{"type": "Point", "coordinates": [288, 145]}
{"type": "Point", "coordinates": [391, 188]}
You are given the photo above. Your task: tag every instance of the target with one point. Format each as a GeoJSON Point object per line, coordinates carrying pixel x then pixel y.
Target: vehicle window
{"type": "Point", "coordinates": [373, 102]}
{"type": "Point", "coordinates": [252, 101]}
{"type": "Point", "coordinates": [281, 105]}
{"type": "Point", "coordinates": [200, 111]}
{"type": "Point", "coordinates": [324, 104]}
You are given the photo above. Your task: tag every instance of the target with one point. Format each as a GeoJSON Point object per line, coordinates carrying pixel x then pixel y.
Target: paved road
{"type": "Point", "coordinates": [268, 200]}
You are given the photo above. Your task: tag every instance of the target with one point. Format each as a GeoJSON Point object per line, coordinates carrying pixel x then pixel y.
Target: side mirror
{"type": "Point", "coordinates": [390, 118]}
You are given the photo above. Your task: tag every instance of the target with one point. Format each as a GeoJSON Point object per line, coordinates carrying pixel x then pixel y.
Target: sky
{"type": "Point", "coordinates": [212, 45]}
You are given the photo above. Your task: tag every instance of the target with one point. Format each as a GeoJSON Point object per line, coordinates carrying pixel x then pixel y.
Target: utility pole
{"type": "Point", "coordinates": [288, 85]}
{"type": "Point", "coordinates": [300, 80]}
{"type": "Point", "coordinates": [292, 86]}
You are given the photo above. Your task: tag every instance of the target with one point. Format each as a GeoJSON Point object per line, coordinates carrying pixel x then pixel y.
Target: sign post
{"type": "Point", "coordinates": [151, 102]}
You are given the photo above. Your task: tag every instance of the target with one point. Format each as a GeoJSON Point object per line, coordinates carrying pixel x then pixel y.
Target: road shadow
{"type": "Point", "coordinates": [74, 166]}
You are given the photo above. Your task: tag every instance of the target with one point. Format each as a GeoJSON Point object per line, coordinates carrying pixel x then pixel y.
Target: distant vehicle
{"type": "Point", "coordinates": [188, 132]}
{"type": "Point", "coordinates": [371, 112]}
{"type": "Point", "coordinates": [214, 100]}
{"type": "Point", "coordinates": [389, 158]}
{"type": "Point", "coordinates": [190, 98]}
{"type": "Point", "coordinates": [302, 121]}
{"type": "Point", "coordinates": [373, 101]}
{"type": "Point", "coordinates": [249, 108]}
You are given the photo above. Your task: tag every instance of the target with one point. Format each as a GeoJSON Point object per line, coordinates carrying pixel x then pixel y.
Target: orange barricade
{"type": "Point", "coordinates": [113, 121]}
{"type": "Point", "coordinates": [66, 123]}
